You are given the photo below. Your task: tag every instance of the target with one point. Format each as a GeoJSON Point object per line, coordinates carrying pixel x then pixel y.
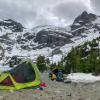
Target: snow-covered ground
{"type": "Point", "coordinates": [82, 77]}
{"type": "Point", "coordinates": [55, 58]}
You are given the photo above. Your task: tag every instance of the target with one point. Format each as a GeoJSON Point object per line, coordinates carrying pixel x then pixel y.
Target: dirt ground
{"type": "Point", "coordinates": [56, 91]}
{"type": "Point", "coordinates": [53, 91]}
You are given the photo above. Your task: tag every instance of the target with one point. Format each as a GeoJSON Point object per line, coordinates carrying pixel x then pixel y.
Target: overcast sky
{"type": "Point", "coordinates": [40, 12]}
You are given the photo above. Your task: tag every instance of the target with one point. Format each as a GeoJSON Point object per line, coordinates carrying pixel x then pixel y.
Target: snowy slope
{"type": "Point", "coordinates": [51, 28]}
{"type": "Point", "coordinates": [48, 51]}
{"type": "Point", "coordinates": [79, 41]}
{"type": "Point", "coordinates": [44, 40]}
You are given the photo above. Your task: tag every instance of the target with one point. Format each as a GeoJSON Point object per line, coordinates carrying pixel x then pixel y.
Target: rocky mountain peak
{"type": "Point", "coordinates": [85, 18]}
{"type": "Point", "coordinates": [84, 14]}
{"type": "Point", "coordinates": [83, 22]}
{"type": "Point", "coordinates": [11, 25]}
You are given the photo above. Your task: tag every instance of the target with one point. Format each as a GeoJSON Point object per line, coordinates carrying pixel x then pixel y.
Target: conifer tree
{"type": "Point", "coordinates": [71, 60]}
{"type": "Point", "coordinates": [53, 66]}
{"type": "Point", "coordinates": [41, 63]}
{"type": "Point", "coordinates": [60, 65]}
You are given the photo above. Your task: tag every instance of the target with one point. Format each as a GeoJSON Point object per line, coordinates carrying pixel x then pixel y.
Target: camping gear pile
{"type": "Point", "coordinates": [25, 75]}
{"type": "Point", "coordinates": [57, 74]}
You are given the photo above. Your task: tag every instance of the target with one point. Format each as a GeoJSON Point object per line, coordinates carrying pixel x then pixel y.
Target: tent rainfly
{"type": "Point", "coordinates": [25, 75]}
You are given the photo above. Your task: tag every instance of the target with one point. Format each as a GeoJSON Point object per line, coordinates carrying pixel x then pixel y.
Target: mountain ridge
{"type": "Point", "coordinates": [43, 40]}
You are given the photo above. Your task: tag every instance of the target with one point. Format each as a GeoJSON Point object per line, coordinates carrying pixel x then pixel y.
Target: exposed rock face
{"type": "Point", "coordinates": [11, 25]}
{"type": "Point", "coordinates": [84, 19]}
{"type": "Point", "coordinates": [52, 38]}
{"type": "Point", "coordinates": [82, 23]}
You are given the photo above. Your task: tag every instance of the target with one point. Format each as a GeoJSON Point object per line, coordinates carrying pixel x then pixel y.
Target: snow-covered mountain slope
{"type": "Point", "coordinates": [51, 28]}
{"type": "Point", "coordinates": [9, 26]}
{"type": "Point", "coordinates": [85, 23]}
{"type": "Point", "coordinates": [46, 40]}
{"type": "Point", "coordinates": [51, 36]}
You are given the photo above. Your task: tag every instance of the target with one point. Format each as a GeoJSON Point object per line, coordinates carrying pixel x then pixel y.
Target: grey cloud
{"type": "Point", "coordinates": [38, 12]}
{"type": "Point", "coordinates": [70, 10]}
{"type": "Point", "coordinates": [17, 11]}
{"type": "Point", "coordinates": [96, 6]}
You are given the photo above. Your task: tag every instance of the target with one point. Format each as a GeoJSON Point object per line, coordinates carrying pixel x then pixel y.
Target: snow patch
{"type": "Point", "coordinates": [82, 77]}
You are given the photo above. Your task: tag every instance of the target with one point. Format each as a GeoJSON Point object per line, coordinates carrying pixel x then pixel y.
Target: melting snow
{"type": "Point", "coordinates": [82, 77]}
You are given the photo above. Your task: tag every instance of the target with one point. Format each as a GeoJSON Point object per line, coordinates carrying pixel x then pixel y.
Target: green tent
{"type": "Point", "coordinates": [25, 75]}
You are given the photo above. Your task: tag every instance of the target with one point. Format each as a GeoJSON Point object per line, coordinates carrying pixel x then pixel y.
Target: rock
{"type": "Point", "coordinates": [67, 80]}
{"type": "Point", "coordinates": [12, 25]}
{"type": "Point", "coordinates": [11, 91]}
{"type": "Point", "coordinates": [82, 23]}
{"type": "Point", "coordinates": [51, 38]}
{"type": "Point", "coordinates": [1, 97]}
